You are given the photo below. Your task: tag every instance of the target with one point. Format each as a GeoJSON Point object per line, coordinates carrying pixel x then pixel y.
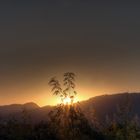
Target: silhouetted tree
{"type": "Point", "coordinates": [67, 120]}
{"type": "Point", "coordinates": [69, 87]}
{"type": "Point", "coordinates": [124, 126]}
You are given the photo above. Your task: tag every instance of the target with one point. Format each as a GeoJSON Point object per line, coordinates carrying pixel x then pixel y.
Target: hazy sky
{"type": "Point", "coordinates": [99, 40]}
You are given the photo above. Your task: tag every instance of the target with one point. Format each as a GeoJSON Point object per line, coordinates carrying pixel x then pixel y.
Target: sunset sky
{"type": "Point", "coordinates": [98, 40]}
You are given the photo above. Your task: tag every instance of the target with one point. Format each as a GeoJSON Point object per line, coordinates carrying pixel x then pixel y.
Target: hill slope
{"type": "Point", "coordinates": [102, 105]}
{"type": "Point", "coordinates": [108, 104]}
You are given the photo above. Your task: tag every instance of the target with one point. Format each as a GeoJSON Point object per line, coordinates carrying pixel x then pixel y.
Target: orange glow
{"type": "Point", "coordinates": [67, 101]}
{"type": "Point", "coordinates": [43, 96]}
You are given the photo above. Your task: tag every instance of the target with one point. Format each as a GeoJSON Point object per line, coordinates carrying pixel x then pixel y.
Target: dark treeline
{"type": "Point", "coordinates": [67, 122]}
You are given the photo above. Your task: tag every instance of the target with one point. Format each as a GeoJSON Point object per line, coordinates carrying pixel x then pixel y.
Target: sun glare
{"type": "Point", "coordinates": [67, 101]}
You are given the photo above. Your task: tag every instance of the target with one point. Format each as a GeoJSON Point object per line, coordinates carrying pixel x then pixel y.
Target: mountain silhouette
{"type": "Point", "coordinates": [107, 105]}
{"type": "Point", "coordinates": [104, 105]}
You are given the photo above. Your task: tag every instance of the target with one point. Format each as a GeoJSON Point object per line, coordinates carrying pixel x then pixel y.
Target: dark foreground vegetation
{"type": "Point", "coordinates": [67, 122]}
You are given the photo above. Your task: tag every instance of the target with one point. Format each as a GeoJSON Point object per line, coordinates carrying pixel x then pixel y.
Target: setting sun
{"type": "Point", "coordinates": [67, 101]}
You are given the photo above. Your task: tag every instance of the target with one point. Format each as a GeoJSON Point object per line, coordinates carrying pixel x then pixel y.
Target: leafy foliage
{"type": "Point", "coordinates": [68, 122]}
{"type": "Point", "coordinates": [69, 87]}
